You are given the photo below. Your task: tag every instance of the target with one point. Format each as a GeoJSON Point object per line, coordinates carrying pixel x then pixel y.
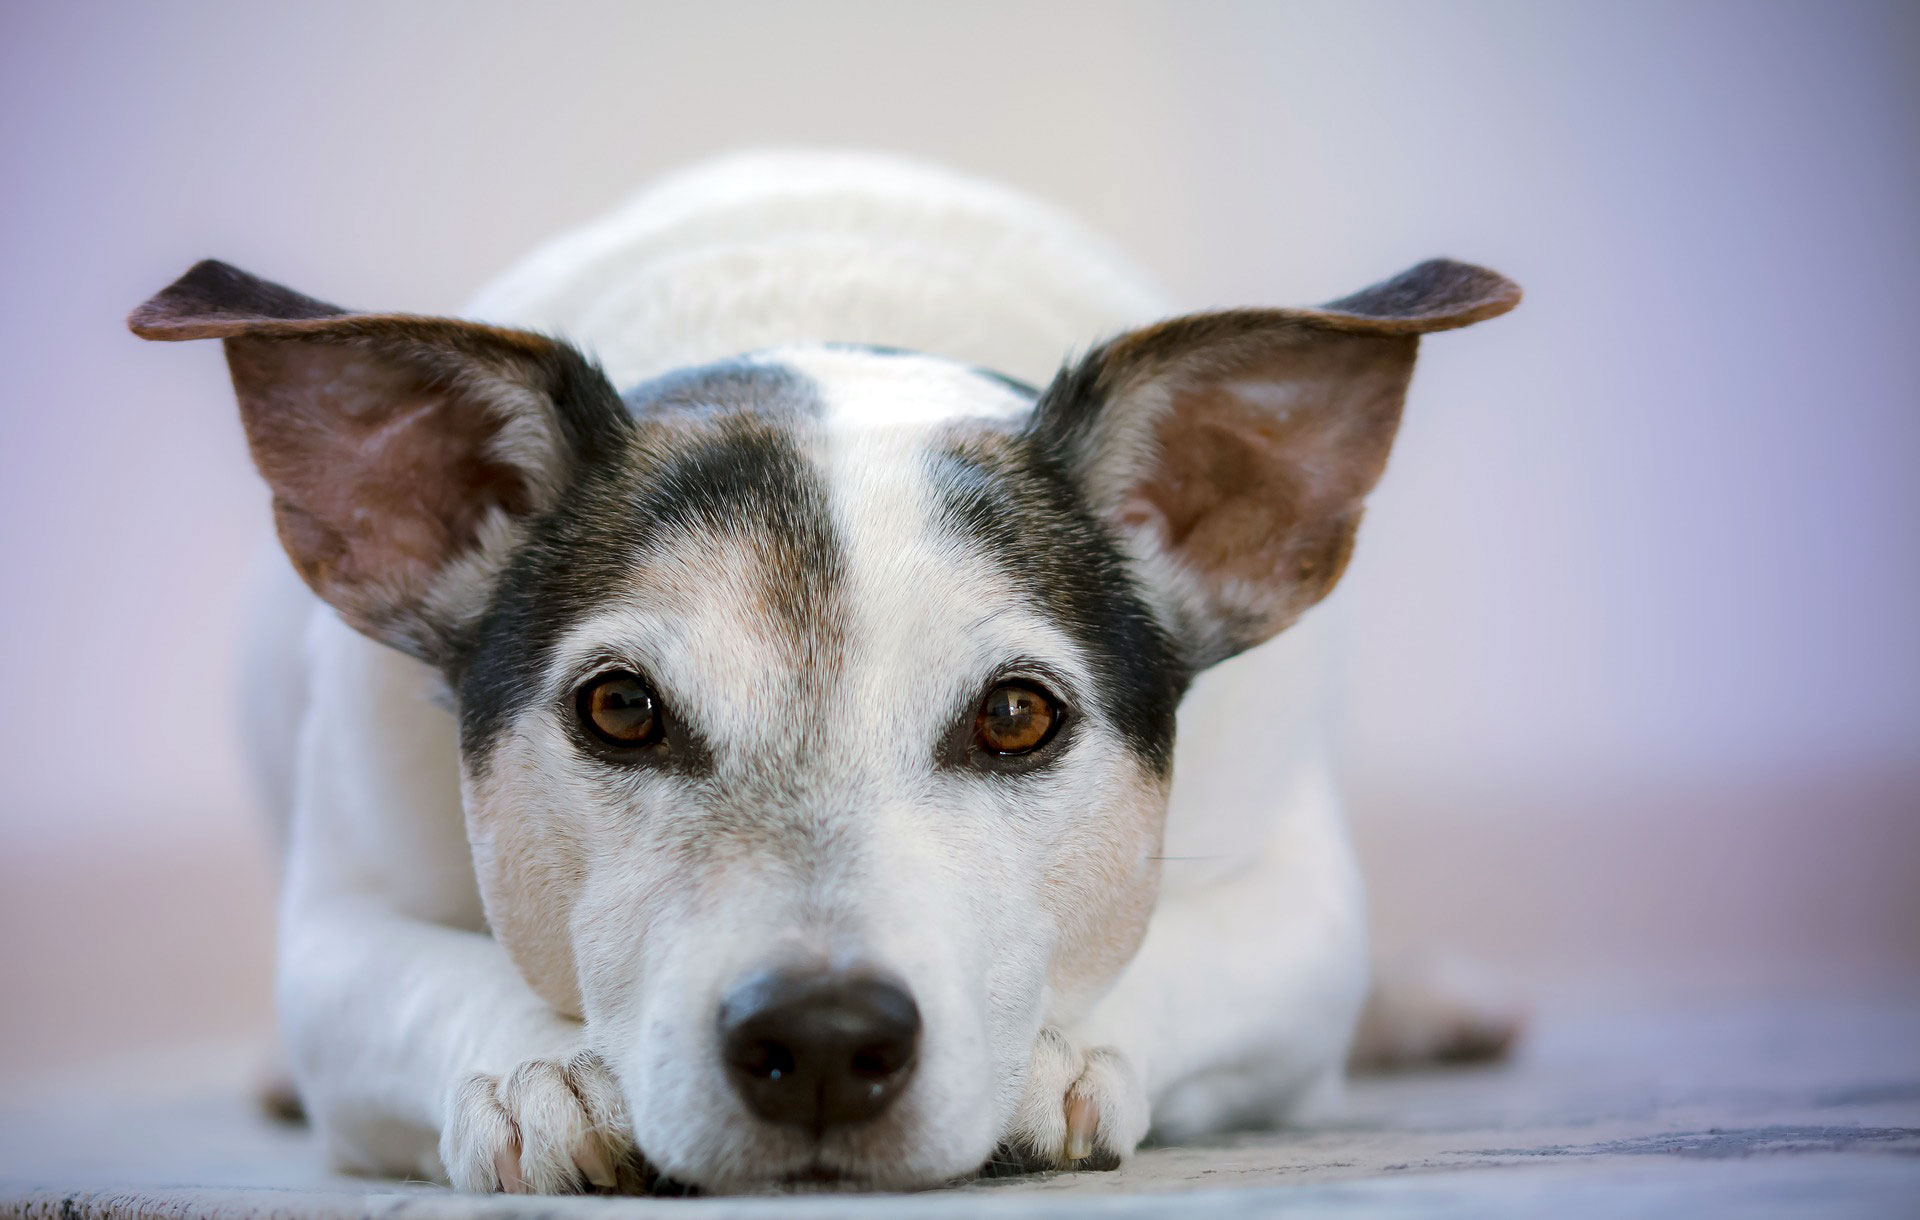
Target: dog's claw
{"type": "Point", "coordinates": [1083, 1116]}
{"type": "Point", "coordinates": [506, 1167]}
{"type": "Point", "coordinates": [1083, 1109]}
{"type": "Point", "coordinates": [594, 1163]}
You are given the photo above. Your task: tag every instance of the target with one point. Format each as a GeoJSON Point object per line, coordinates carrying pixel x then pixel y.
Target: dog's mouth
{"type": "Point", "coordinates": [821, 1178]}
{"type": "Point", "coordinates": [639, 1178]}
{"type": "Point", "coordinates": [816, 1176]}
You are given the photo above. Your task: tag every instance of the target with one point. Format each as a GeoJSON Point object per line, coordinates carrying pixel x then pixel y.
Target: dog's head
{"type": "Point", "coordinates": [816, 708]}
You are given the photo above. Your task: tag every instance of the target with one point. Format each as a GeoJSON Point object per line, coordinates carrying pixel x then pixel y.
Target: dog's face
{"type": "Point", "coordinates": [798, 684]}
{"type": "Point", "coordinates": [817, 707]}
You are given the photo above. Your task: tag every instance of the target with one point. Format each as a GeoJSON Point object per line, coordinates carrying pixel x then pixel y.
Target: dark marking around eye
{"type": "Point", "coordinates": [712, 450]}
{"type": "Point", "coordinates": [1017, 508]}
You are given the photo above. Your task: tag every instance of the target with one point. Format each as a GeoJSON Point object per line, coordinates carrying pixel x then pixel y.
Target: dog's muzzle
{"type": "Point", "coordinates": [816, 1049]}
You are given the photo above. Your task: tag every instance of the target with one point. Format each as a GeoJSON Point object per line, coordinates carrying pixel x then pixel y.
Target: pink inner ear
{"type": "Point", "coordinates": [1225, 494]}
{"type": "Point", "coordinates": [380, 479]}
{"type": "Point", "coordinates": [1256, 487]}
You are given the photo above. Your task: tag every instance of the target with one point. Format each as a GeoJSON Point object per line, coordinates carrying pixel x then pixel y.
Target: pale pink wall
{"type": "Point", "coordinates": [1650, 546]}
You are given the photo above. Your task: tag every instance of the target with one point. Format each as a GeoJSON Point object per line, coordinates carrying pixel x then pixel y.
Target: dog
{"type": "Point", "coordinates": [746, 755]}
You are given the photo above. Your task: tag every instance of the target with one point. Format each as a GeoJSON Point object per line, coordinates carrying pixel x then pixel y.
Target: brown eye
{"type": "Point", "coordinates": [1015, 718]}
{"type": "Point", "coordinates": [620, 710]}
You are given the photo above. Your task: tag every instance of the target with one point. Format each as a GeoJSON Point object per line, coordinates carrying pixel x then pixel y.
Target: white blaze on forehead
{"type": "Point", "coordinates": [865, 389]}
{"type": "Point", "coordinates": [928, 613]}
{"type": "Point", "coordinates": [921, 613]}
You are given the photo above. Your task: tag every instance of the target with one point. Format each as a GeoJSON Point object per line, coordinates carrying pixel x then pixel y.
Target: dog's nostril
{"type": "Point", "coordinates": [818, 1050]}
{"type": "Point", "coordinates": [769, 1060]}
{"type": "Point", "coordinates": [874, 1061]}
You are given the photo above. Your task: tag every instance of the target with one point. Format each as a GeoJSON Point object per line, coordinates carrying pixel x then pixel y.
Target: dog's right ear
{"type": "Point", "coordinates": [405, 454]}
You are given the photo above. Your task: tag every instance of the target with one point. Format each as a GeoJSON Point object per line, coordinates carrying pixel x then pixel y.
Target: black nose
{"type": "Point", "coordinates": [816, 1049]}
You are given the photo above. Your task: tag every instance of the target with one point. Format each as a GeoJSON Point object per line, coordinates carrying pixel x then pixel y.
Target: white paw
{"type": "Point", "coordinates": [550, 1126]}
{"type": "Point", "coordinates": [1082, 1109]}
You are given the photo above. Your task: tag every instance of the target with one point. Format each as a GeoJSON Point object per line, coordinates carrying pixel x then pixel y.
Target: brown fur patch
{"type": "Point", "coordinates": [379, 478]}
{"type": "Point", "coordinates": [1261, 502]}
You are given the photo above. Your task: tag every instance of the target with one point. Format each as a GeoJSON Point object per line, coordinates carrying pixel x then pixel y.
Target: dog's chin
{"type": "Point", "coordinates": [821, 1175]}
{"type": "Point", "coordinates": [819, 1178]}
{"type": "Point", "coordinates": [825, 1169]}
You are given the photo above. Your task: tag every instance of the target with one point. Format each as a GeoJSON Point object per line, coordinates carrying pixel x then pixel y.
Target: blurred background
{"type": "Point", "coordinates": [1632, 700]}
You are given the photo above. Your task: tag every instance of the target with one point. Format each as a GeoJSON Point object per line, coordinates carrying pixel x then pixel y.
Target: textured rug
{"type": "Point", "coordinates": [1785, 1108]}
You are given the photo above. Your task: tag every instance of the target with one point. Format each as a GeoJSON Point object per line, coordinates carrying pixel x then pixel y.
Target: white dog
{"type": "Point", "coordinates": [747, 759]}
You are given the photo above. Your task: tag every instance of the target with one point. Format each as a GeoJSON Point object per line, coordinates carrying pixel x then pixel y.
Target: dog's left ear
{"type": "Point", "coordinates": [1232, 451]}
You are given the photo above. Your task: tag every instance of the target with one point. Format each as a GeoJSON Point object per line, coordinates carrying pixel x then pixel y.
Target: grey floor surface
{"type": "Point", "coordinates": [1802, 1108]}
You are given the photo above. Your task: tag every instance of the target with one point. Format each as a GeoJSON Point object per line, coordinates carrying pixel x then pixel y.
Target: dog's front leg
{"type": "Point", "coordinates": [417, 1045]}
{"type": "Point", "coordinates": [1239, 1007]}
{"type": "Point", "coordinates": [420, 1050]}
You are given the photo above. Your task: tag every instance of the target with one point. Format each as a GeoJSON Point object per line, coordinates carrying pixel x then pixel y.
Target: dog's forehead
{"type": "Point", "coordinates": [812, 527]}
{"type": "Point", "coordinates": [836, 591]}
{"type": "Point", "coordinates": [836, 386]}
{"type": "Point", "coordinates": [862, 388]}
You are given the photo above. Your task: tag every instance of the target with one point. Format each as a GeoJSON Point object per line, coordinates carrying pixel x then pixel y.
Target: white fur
{"type": "Point", "coordinates": [395, 999]}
